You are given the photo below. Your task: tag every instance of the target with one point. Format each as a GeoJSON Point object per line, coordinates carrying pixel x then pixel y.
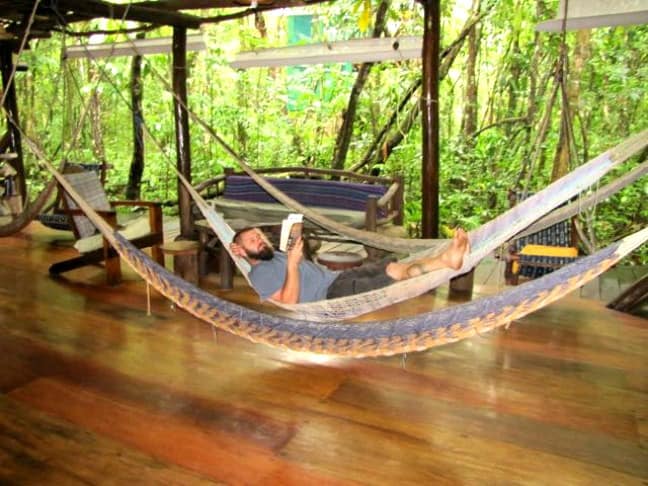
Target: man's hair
{"type": "Point", "coordinates": [237, 235]}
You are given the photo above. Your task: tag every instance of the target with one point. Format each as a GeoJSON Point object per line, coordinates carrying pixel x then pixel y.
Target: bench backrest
{"type": "Point", "coordinates": [88, 185]}
{"type": "Point", "coordinates": [309, 192]}
{"type": "Point", "coordinates": [559, 234]}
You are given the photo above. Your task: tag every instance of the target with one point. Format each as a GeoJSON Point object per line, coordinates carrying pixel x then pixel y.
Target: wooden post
{"type": "Point", "coordinates": [632, 297]}
{"type": "Point", "coordinates": [112, 261]}
{"type": "Point", "coordinates": [226, 269]}
{"type": "Point", "coordinates": [11, 105]}
{"type": "Point", "coordinates": [398, 200]}
{"type": "Point", "coordinates": [430, 118]}
{"type": "Point", "coordinates": [183, 147]}
{"type": "Point", "coordinates": [371, 214]}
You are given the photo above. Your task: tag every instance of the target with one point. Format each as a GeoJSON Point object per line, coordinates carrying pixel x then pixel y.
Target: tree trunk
{"type": "Point", "coordinates": [469, 122]}
{"type": "Point", "coordinates": [346, 130]}
{"type": "Point", "coordinates": [133, 188]}
{"type": "Point", "coordinates": [98, 148]}
{"type": "Point", "coordinates": [384, 143]}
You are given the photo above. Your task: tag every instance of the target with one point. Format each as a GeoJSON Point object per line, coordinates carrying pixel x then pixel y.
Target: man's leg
{"type": "Point", "coordinates": [451, 258]}
{"type": "Point", "coordinates": [369, 276]}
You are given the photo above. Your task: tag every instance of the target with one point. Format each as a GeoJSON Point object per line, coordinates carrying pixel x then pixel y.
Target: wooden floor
{"type": "Point", "coordinates": [95, 391]}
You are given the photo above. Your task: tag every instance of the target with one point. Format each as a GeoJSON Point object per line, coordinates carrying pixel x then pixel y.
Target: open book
{"type": "Point", "coordinates": [291, 230]}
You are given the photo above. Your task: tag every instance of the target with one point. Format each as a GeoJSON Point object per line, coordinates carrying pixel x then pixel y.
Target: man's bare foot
{"type": "Point", "coordinates": [452, 258]}
{"type": "Point", "coordinates": [459, 247]}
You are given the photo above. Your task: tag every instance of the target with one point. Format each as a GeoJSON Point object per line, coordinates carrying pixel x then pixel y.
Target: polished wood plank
{"type": "Point", "coordinates": [38, 449]}
{"type": "Point", "coordinates": [561, 393]}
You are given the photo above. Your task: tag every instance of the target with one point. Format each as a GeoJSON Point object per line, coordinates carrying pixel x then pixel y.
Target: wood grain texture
{"type": "Point", "coordinates": [91, 388]}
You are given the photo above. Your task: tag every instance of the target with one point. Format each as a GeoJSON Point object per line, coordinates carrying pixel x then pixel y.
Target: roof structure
{"type": "Point", "coordinates": [56, 14]}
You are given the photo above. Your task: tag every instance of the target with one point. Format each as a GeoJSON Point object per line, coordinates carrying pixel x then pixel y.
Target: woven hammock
{"type": "Point", "coordinates": [484, 240]}
{"type": "Point", "coordinates": [377, 338]}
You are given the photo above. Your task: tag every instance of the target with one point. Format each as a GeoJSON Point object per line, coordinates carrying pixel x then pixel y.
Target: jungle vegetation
{"type": "Point", "coordinates": [504, 95]}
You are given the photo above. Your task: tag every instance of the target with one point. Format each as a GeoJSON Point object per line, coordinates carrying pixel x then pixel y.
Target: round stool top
{"type": "Point", "coordinates": [340, 260]}
{"type": "Point", "coordinates": [180, 247]}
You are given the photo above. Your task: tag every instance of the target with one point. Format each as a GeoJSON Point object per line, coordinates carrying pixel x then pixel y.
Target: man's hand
{"type": "Point", "coordinates": [237, 249]}
{"type": "Point", "coordinates": [296, 253]}
{"type": "Point", "coordinates": [289, 292]}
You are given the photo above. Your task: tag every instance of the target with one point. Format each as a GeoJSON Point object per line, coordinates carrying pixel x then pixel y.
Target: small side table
{"type": "Point", "coordinates": [185, 258]}
{"type": "Point", "coordinates": [340, 260]}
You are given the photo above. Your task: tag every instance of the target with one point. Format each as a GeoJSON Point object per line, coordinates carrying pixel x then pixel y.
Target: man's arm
{"type": "Point", "coordinates": [289, 292]}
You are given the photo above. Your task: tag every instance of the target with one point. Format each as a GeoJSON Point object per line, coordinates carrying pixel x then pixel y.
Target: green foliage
{"type": "Point", "coordinates": [281, 117]}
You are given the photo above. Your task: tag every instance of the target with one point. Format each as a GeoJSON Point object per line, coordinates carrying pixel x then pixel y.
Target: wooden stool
{"type": "Point", "coordinates": [185, 258]}
{"type": "Point", "coordinates": [340, 260]}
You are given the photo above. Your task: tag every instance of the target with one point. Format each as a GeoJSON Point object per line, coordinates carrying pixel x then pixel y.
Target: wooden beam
{"type": "Point", "coordinates": [98, 8]}
{"type": "Point", "coordinates": [430, 119]}
{"type": "Point", "coordinates": [183, 147]}
{"type": "Point", "coordinates": [632, 297]}
{"type": "Point", "coordinates": [207, 4]}
{"type": "Point", "coordinates": [11, 107]}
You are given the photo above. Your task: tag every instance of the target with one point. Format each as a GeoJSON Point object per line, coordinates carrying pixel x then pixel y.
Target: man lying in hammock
{"type": "Point", "coordinates": [288, 278]}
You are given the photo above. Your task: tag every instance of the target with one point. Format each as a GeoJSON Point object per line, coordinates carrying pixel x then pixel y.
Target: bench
{"type": "Point", "coordinates": [355, 200]}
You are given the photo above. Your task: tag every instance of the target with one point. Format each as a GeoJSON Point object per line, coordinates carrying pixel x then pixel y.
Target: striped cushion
{"type": "Point", "coordinates": [55, 221]}
{"type": "Point", "coordinates": [536, 266]}
{"type": "Point", "coordinates": [533, 266]}
{"type": "Point", "coordinates": [309, 192]}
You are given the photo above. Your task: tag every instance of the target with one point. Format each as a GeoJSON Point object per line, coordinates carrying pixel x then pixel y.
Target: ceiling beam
{"type": "Point", "coordinates": [135, 12]}
{"type": "Point", "coordinates": [206, 4]}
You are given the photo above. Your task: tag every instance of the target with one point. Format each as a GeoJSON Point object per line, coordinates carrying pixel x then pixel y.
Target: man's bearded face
{"type": "Point", "coordinates": [255, 246]}
{"type": "Point", "coordinates": [265, 253]}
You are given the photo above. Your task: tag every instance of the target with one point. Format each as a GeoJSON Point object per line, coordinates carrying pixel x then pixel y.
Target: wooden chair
{"type": "Point", "coordinates": [93, 247]}
{"type": "Point", "coordinates": [540, 253]}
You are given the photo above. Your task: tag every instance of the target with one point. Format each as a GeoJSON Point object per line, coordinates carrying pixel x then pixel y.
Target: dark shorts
{"type": "Point", "coordinates": [370, 276]}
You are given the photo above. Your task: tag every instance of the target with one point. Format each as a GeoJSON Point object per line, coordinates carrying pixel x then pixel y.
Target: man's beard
{"type": "Point", "coordinates": [266, 254]}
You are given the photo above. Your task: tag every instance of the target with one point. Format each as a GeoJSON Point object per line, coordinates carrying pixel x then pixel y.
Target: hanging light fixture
{"type": "Point", "coordinates": [134, 47]}
{"type": "Point", "coordinates": [585, 14]}
{"type": "Point", "coordinates": [353, 51]}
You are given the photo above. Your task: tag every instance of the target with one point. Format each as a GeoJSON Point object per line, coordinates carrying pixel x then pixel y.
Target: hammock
{"type": "Point", "coordinates": [484, 240]}
{"type": "Point", "coordinates": [377, 338]}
